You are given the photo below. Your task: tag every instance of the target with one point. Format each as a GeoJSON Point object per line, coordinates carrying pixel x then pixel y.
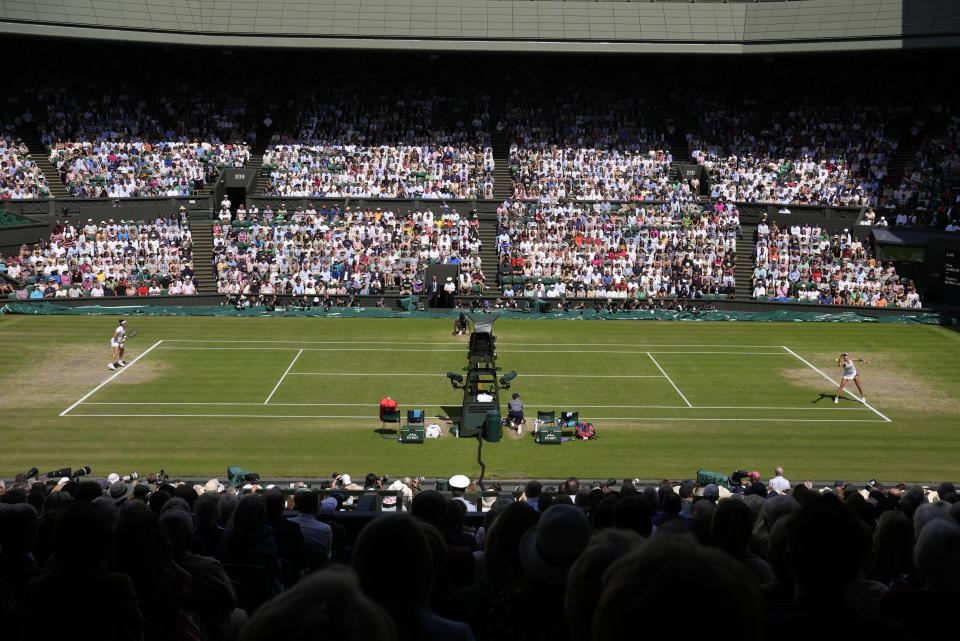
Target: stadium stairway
{"type": "Point", "coordinates": [904, 157]}
{"type": "Point", "coordinates": [743, 270]}
{"type": "Point", "coordinates": [488, 251]}
{"type": "Point", "coordinates": [38, 154]}
{"type": "Point", "coordinates": [203, 269]}
{"type": "Point", "coordinates": [255, 163]}
{"type": "Point", "coordinates": [907, 150]}
{"type": "Point", "coordinates": [502, 181]}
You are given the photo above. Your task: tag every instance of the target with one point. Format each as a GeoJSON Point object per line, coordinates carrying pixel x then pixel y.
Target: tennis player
{"type": "Point", "coordinates": [116, 342]}
{"type": "Point", "coordinates": [849, 374]}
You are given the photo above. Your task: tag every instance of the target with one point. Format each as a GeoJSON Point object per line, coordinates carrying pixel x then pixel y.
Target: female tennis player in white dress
{"type": "Point", "coordinates": [845, 362]}
{"type": "Point", "coordinates": [116, 342]}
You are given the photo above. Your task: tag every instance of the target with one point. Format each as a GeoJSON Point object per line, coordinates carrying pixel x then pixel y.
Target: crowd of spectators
{"type": "Point", "coordinates": [928, 194]}
{"type": "Point", "coordinates": [620, 251]}
{"type": "Point", "coordinates": [202, 561]}
{"type": "Point", "coordinates": [808, 264]}
{"type": "Point", "coordinates": [584, 146]}
{"type": "Point", "coordinates": [124, 258]}
{"type": "Point", "coordinates": [338, 251]}
{"type": "Point", "coordinates": [401, 143]}
{"type": "Point", "coordinates": [126, 169]}
{"type": "Point", "coordinates": [128, 142]}
{"type": "Point", "coordinates": [436, 171]}
{"type": "Point", "coordinates": [19, 175]}
{"type": "Point", "coordinates": [808, 151]}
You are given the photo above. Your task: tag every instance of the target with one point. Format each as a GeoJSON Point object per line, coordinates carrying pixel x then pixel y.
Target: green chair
{"type": "Point", "coordinates": [548, 418]}
{"type": "Point", "coordinates": [390, 417]}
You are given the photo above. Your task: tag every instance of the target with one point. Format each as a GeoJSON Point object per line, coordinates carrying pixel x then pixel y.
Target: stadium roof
{"type": "Point", "coordinates": [616, 26]}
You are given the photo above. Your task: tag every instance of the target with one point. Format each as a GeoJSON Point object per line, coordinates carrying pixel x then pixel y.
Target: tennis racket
{"type": "Point", "coordinates": [132, 334]}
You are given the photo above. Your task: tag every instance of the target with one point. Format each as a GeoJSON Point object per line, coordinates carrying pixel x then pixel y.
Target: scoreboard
{"type": "Point", "coordinates": [951, 267]}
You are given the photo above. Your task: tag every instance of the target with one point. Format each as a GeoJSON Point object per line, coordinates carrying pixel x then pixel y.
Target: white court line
{"type": "Point", "coordinates": [277, 386]}
{"type": "Point", "coordinates": [408, 343]}
{"type": "Point", "coordinates": [628, 419]}
{"type": "Point", "coordinates": [669, 379]}
{"type": "Point", "coordinates": [118, 373]}
{"type": "Point", "coordinates": [460, 351]}
{"type": "Point", "coordinates": [444, 375]}
{"type": "Point", "coordinates": [532, 405]}
{"type": "Point", "coordinates": [817, 369]}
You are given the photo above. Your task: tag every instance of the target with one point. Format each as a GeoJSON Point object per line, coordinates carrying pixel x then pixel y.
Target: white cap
{"type": "Point", "coordinates": [113, 477]}
{"type": "Point", "coordinates": [459, 482]}
{"type": "Point", "coordinates": [345, 478]}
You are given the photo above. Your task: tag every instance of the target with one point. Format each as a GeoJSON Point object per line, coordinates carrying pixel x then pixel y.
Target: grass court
{"type": "Point", "coordinates": [298, 397]}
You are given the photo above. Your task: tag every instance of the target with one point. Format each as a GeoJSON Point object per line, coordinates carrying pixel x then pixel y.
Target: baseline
{"type": "Point", "coordinates": [823, 374]}
{"type": "Point", "coordinates": [125, 367]}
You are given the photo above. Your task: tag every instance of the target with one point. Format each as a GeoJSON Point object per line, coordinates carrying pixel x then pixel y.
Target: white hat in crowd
{"type": "Point", "coordinates": [459, 482]}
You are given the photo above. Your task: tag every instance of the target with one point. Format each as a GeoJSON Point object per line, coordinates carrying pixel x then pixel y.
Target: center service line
{"type": "Point", "coordinates": [669, 380]}
{"type": "Point", "coordinates": [277, 386]}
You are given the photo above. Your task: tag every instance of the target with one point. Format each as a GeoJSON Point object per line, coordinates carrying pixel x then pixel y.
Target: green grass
{"type": "Point", "coordinates": [195, 402]}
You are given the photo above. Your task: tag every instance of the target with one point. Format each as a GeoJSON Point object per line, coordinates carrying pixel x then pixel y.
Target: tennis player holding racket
{"type": "Point", "coordinates": [845, 362]}
{"type": "Point", "coordinates": [116, 342]}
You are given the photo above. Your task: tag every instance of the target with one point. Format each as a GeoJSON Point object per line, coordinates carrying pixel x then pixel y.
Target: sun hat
{"type": "Point", "coordinates": [548, 549]}
{"type": "Point", "coordinates": [119, 491]}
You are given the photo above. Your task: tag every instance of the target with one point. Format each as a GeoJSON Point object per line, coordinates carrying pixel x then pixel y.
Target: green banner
{"type": "Point", "coordinates": [779, 316]}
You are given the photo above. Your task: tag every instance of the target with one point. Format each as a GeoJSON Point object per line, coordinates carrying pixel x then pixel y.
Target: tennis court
{"type": "Point", "coordinates": [343, 381]}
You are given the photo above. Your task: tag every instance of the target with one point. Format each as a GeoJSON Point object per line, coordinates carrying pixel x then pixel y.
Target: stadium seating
{"type": "Point", "coordinates": [316, 253]}
{"type": "Point", "coordinates": [107, 259]}
{"type": "Point", "coordinates": [617, 251]}
{"type": "Point", "coordinates": [19, 177]}
{"type": "Point", "coordinates": [809, 264]}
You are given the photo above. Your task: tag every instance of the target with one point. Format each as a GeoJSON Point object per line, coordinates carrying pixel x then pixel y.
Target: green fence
{"type": "Point", "coordinates": [779, 315]}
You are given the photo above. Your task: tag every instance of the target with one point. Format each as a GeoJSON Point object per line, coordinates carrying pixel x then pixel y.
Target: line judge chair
{"type": "Point", "coordinates": [390, 417]}
{"type": "Point", "coordinates": [544, 418]}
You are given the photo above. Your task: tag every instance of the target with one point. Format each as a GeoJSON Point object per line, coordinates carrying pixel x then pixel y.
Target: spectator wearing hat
{"type": "Point", "coordinates": [449, 289]}
{"type": "Point", "coordinates": [458, 485]}
{"type": "Point", "coordinates": [546, 552]}
{"type": "Point", "coordinates": [711, 491]}
{"type": "Point", "coordinates": [326, 513]}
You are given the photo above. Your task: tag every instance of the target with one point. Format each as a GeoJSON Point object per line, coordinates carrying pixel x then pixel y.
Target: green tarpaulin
{"type": "Point", "coordinates": [939, 318]}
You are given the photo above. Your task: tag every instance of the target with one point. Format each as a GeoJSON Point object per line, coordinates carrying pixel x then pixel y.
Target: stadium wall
{"type": "Point", "coordinates": [500, 25]}
{"type": "Point", "coordinates": [395, 305]}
